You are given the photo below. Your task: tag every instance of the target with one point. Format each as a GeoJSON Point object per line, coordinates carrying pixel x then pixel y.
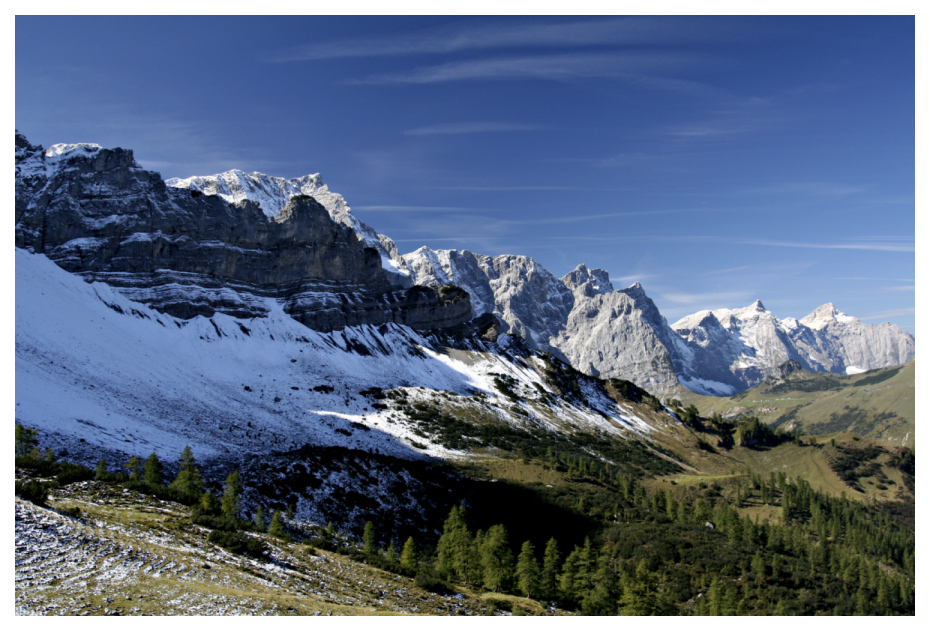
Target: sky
{"type": "Point", "coordinates": [716, 160]}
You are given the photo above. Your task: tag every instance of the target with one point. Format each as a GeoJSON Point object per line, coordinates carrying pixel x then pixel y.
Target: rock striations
{"type": "Point", "coordinates": [96, 213]}
{"type": "Point", "coordinates": [229, 242]}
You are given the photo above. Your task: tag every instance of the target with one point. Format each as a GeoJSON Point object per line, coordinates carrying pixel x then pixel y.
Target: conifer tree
{"type": "Point", "coordinates": [188, 485]}
{"type": "Point", "coordinates": [457, 557]}
{"type": "Point", "coordinates": [408, 555]}
{"type": "Point", "coordinates": [391, 552]}
{"type": "Point", "coordinates": [550, 569]}
{"type": "Point", "coordinates": [527, 573]}
{"type": "Point", "coordinates": [368, 539]}
{"type": "Point", "coordinates": [208, 503]}
{"type": "Point", "coordinates": [229, 505]}
{"type": "Point", "coordinates": [496, 558]}
{"type": "Point", "coordinates": [639, 596]}
{"type": "Point", "coordinates": [151, 471]}
{"type": "Point", "coordinates": [27, 442]}
{"type": "Point", "coordinates": [101, 472]}
{"type": "Point", "coordinates": [276, 528]}
{"type": "Point", "coordinates": [135, 469]}
{"type": "Point", "coordinates": [603, 598]}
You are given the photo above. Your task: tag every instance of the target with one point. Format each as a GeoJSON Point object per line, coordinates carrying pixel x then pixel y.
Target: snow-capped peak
{"type": "Point", "coordinates": [824, 315]}
{"type": "Point", "coordinates": [62, 149]}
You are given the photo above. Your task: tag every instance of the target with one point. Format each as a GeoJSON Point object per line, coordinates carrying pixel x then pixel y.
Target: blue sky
{"type": "Point", "coordinates": [716, 160]}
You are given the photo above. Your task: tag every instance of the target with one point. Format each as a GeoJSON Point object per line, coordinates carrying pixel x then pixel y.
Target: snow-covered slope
{"type": "Point", "coordinates": [97, 372]}
{"type": "Point", "coordinates": [272, 195]}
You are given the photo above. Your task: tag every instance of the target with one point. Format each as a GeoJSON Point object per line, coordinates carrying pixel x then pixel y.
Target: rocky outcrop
{"type": "Point", "coordinates": [96, 213]}
{"type": "Point", "coordinates": [528, 299]}
{"type": "Point", "coordinates": [618, 334]}
{"type": "Point", "coordinates": [272, 195]}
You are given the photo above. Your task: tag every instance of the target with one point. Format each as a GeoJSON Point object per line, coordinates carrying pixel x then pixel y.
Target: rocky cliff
{"type": "Point", "coordinates": [621, 333]}
{"type": "Point", "coordinates": [97, 213]}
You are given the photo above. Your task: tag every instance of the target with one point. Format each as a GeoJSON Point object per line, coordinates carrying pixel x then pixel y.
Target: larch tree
{"type": "Point", "coordinates": [527, 572]}
{"type": "Point", "coordinates": [230, 503]}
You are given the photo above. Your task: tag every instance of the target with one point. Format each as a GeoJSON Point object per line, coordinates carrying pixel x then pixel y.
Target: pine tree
{"type": "Point", "coordinates": [208, 503]}
{"type": "Point", "coordinates": [276, 528]}
{"type": "Point", "coordinates": [101, 473]}
{"type": "Point", "coordinates": [229, 505]}
{"type": "Point", "coordinates": [639, 596]}
{"type": "Point", "coordinates": [27, 442]}
{"type": "Point", "coordinates": [368, 539]}
{"type": "Point", "coordinates": [496, 559]}
{"type": "Point", "coordinates": [188, 485]}
{"type": "Point", "coordinates": [391, 552]}
{"type": "Point", "coordinates": [151, 471]}
{"type": "Point", "coordinates": [528, 578]}
{"type": "Point", "coordinates": [457, 557]}
{"type": "Point", "coordinates": [135, 469]}
{"type": "Point", "coordinates": [602, 600]}
{"type": "Point", "coordinates": [550, 570]}
{"type": "Point", "coordinates": [567, 577]}
{"type": "Point", "coordinates": [408, 555]}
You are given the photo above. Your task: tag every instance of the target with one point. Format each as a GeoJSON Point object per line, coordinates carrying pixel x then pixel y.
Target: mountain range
{"type": "Point", "coordinates": [600, 330]}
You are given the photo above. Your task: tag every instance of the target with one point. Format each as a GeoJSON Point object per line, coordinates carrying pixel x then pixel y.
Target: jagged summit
{"type": "Point", "coordinates": [595, 281]}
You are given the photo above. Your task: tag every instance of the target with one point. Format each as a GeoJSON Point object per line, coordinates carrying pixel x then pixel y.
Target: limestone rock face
{"type": "Point", "coordinates": [843, 343]}
{"type": "Point", "coordinates": [96, 213]}
{"type": "Point", "coordinates": [528, 299]}
{"type": "Point", "coordinates": [619, 334]}
{"type": "Point", "coordinates": [741, 347]}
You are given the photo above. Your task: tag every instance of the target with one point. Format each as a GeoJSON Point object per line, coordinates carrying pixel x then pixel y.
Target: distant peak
{"type": "Point", "coordinates": [824, 314]}
{"type": "Point", "coordinates": [595, 280]}
{"type": "Point", "coordinates": [758, 306]}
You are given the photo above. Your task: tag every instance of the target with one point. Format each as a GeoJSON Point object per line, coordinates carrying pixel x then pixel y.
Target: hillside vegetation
{"type": "Point", "coordinates": [876, 404]}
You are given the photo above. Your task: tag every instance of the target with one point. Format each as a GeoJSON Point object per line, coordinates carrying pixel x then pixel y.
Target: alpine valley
{"type": "Point", "coordinates": [437, 432]}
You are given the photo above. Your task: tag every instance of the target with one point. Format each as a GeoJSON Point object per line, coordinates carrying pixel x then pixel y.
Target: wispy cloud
{"type": "Point", "coordinates": [632, 66]}
{"type": "Point", "coordinates": [626, 281]}
{"type": "Point", "coordinates": [867, 245]}
{"type": "Point", "coordinates": [715, 298]}
{"type": "Point", "coordinates": [468, 128]}
{"type": "Point", "coordinates": [519, 34]}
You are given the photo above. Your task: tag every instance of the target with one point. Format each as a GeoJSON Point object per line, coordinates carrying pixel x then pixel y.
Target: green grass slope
{"type": "Point", "coordinates": [876, 404]}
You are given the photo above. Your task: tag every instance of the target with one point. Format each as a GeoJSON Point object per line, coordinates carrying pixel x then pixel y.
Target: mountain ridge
{"type": "Point", "coordinates": [581, 317]}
